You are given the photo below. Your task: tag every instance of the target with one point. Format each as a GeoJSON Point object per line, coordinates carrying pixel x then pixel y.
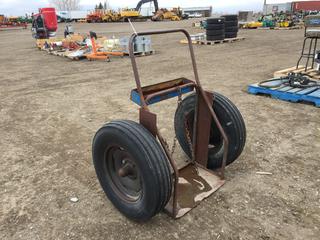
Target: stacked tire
{"type": "Point", "coordinates": [231, 26]}
{"type": "Point", "coordinates": [215, 29]}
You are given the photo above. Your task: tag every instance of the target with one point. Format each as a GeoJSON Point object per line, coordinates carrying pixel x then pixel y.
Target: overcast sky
{"type": "Point", "coordinates": [20, 7]}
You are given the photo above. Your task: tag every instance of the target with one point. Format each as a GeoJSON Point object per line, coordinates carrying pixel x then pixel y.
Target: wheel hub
{"type": "Point", "coordinates": [124, 174]}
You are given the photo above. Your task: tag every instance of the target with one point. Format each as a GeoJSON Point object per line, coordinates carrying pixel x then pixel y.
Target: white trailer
{"type": "Point", "coordinates": [71, 16]}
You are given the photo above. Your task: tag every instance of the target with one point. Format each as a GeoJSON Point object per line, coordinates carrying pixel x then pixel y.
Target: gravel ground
{"type": "Point", "coordinates": [51, 107]}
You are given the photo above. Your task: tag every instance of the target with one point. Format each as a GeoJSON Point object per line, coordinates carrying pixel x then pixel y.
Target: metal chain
{"type": "Point", "coordinates": [173, 149]}
{"type": "Point", "coordinates": [165, 143]}
{"type": "Point", "coordinates": [174, 145]}
{"type": "Point", "coordinates": [188, 135]}
{"type": "Point", "coordinates": [193, 160]}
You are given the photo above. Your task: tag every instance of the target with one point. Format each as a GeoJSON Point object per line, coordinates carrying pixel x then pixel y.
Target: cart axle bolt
{"type": "Point", "coordinates": [126, 170]}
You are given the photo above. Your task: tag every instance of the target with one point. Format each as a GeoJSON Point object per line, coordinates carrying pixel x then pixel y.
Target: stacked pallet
{"type": "Point", "coordinates": [312, 73]}
{"type": "Point", "coordinates": [206, 42]}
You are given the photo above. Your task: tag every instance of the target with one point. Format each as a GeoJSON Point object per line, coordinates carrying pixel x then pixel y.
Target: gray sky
{"type": "Point", "coordinates": [20, 7]}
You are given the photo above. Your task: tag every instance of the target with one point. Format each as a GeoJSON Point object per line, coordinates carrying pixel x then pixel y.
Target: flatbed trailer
{"type": "Point", "coordinates": [6, 25]}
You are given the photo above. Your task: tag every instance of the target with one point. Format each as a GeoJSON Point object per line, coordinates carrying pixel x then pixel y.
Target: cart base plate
{"type": "Point", "coordinates": [195, 185]}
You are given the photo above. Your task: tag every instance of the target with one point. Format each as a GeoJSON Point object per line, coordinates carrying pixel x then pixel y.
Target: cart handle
{"type": "Point", "coordinates": [198, 84]}
{"type": "Point", "coordinates": [134, 63]}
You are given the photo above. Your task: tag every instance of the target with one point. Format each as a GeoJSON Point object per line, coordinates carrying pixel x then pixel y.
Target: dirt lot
{"type": "Point", "coordinates": [50, 108]}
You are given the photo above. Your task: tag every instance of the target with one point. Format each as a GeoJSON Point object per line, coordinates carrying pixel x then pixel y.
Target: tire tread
{"type": "Point", "coordinates": [155, 157]}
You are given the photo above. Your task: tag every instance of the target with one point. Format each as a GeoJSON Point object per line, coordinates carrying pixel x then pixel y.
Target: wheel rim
{"type": "Point", "coordinates": [123, 174]}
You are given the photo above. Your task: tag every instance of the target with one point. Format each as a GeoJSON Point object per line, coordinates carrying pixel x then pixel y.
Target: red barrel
{"type": "Point", "coordinates": [306, 6]}
{"type": "Point", "coordinates": [50, 18]}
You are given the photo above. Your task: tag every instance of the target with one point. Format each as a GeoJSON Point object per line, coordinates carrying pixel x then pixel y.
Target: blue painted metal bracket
{"type": "Point", "coordinates": [173, 88]}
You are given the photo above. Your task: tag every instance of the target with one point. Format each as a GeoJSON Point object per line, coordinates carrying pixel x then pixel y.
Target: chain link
{"type": "Point", "coordinates": [174, 144]}
{"type": "Point", "coordinates": [188, 135]}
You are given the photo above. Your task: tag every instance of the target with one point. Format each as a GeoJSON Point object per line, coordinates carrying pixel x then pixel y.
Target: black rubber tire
{"type": "Point", "coordinates": [138, 142]}
{"type": "Point", "coordinates": [231, 34]}
{"type": "Point", "coordinates": [215, 26]}
{"type": "Point", "coordinates": [215, 38]}
{"type": "Point", "coordinates": [231, 121]}
{"type": "Point", "coordinates": [231, 29]}
{"type": "Point", "coordinates": [231, 24]}
{"type": "Point", "coordinates": [215, 32]}
{"type": "Point", "coordinates": [215, 20]}
{"type": "Point", "coordinates": [230, 17]}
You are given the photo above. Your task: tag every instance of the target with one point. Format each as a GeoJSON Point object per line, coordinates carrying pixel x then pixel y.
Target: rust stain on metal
{"type": "Point", "coordinates": [202, 133]}
{"type": "Point", "coordinates": [149, 121]}
{"type": "Point", "coordinates": [195, 184]}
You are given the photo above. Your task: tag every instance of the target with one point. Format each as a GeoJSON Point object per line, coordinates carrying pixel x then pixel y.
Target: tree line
{"type": "Point", "coordinates": [69, 5]}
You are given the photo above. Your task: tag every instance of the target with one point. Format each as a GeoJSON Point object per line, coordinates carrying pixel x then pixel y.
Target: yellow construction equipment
{"type": "Point", "coordinates": [251, 25]}
{"type": "Point", "coordinates": [134, 13]}
{"type": "Point", "coordinates": [165, 14]}
{"type": "Point", "coordinates": [111, 16]}
{"type": "Point", "coordinates": [13, 19]}
{"type": "Point", "coordinates": [129, 13]}
{"type": "Point", "coordinates": [284, 24]}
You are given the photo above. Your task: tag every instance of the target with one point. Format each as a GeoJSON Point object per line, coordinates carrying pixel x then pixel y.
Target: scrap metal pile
{"type": "Point", "coordinates": [93, 47]}
{"type": "Point", "coordinates": [276, 20]}
{"type": "Point", "coordinates": [12, 22]}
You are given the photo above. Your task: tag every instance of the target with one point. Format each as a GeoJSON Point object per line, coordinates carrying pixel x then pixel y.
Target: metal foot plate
{"type": "Point", "coordinates": [195, 185]}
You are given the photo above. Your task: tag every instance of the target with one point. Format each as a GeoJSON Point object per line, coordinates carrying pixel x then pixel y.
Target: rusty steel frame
{"type": "Point", "coordinates": [148, 119]}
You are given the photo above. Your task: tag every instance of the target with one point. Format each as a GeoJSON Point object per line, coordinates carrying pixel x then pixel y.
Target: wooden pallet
{"type": "Point", "coordinates": [197, 24]}
{"type": "Point", "coordinates": [59, 53]}
{"type": "Point", "coordinates": [184, 41]}
{"type": "Point", "coordinates": [142, 54]}
{"type": "Point", "coordinates": [280, 28]}
{"type": "Point", "coordinates": [314, 74]}
{"type": "Point", "coordinates": [287, 93]}
{"type": "Point", "coordinates": [205, 42]}
{"type": "Point", "coordinates": [65, 54]}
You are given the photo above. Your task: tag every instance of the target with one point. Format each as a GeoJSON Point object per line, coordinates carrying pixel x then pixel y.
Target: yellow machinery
{"type": "Point", "coordinates": [283, 24]}
{"type": "Point", "coordinates": [13, 19]}
{"type": "Point", "coordinates": [251, 25]}
{"type": "Point", "coordinates": [134, 13]}
{"type": "Point", "coordinates": [111, 16]}
{"type": "Point", "coordinates": [165, 14]}
{"type": "Point", "coordinates": [129, 13]}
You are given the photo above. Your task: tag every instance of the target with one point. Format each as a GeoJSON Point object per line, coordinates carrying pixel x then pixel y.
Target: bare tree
{"type": "Point", "coordinates": [66, 5]}
{"type": "Point", "coordinates": [106, 5]}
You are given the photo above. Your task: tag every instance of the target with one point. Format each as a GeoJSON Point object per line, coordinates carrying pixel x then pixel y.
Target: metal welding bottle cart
{"type": "Point", "coordinates": [134, 164]}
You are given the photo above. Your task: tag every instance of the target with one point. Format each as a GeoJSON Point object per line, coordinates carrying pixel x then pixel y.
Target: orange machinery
{"type": "Point", "coordinates": [95, 16]}
{"type": "Point", "coordinates": [95, 55]}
